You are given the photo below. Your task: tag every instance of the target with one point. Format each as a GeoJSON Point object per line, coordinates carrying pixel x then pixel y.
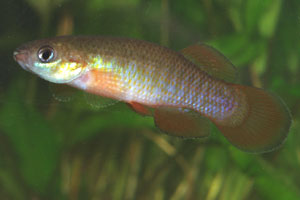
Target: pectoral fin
{"type": "Point", "coordinates": [98, 102]}
{"type": "Point", "coordinates": [65, 93]}
{"type": "Point", "coordinates": [181, 122]}
{"type": "Point", "coordinates": [211, 61]}
{"type": "Point", "coordinates": [61, 92]}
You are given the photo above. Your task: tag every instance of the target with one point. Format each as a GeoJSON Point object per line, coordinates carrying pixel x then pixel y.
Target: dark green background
{"type": "Point", "coordinates": [70, 150]}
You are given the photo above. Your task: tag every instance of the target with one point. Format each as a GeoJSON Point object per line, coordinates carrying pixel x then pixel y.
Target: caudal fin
{"type": "Point", "coordinates": [266, 125]}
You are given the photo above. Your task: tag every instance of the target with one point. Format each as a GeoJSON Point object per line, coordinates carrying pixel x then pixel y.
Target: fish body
{"type": "Point", "coordinates": [123, 69]}
{"type": "Point", "coordinates": [186, 89]}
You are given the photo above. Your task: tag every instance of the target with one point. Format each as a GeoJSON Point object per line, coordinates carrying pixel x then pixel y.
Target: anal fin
{"type": "Point", "coordinates": [181, 122]}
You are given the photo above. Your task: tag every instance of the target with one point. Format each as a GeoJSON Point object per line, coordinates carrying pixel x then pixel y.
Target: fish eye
{"type": "Point", "coordinates": [46, 54]}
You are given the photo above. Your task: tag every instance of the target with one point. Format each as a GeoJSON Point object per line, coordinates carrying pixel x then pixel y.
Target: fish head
{"type": "Point", "coordinates": [56, 60]}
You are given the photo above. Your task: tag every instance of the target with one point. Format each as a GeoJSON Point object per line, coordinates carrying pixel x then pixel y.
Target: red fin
{"type": "Point", "coordinates": [265, 126]}
{"type": "Point", "coordinates": [140, 109]}
{"type": "Point", "coordinates": [211, 61]}
{"type": "Point", "coordinates": [181, 123]}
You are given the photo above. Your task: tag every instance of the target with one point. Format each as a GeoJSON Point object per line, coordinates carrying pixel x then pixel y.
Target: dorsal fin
{"type": "Point", "coordinates": [211, 61]}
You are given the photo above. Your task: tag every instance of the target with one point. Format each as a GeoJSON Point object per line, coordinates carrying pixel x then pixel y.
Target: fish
{"type": "Point", "coordinates": [184, 91]}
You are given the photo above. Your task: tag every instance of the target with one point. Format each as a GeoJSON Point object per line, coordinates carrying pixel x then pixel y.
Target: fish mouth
{"type": "Point", "coordinates": [21, 57]}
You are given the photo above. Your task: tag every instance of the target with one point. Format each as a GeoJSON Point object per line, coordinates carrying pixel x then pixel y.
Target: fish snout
{"type": "Point", "coordinates": [21, 57]}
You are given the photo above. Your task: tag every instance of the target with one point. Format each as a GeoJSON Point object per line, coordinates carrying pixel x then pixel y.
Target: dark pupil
{"type": "Point", "coordinates": [46, 54]}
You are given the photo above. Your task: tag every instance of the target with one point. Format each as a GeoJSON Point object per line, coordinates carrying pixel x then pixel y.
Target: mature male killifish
{"type": "Point", "coordinates": [183, 91]}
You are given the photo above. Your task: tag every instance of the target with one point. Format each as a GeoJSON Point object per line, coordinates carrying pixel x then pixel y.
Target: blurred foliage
{"type": "Point", "coordinates": [71, 150]}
